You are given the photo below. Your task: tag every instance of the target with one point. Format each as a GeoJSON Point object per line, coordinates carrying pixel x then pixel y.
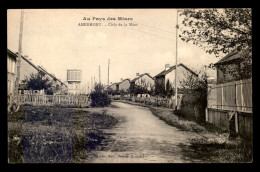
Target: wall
{"type": "Point", "coordinates": [124, 85]}
{"type": "Point", "coordinates": [26, 69]}
{"type": "Point", "coordinates": [181, 75]}
{"type": "Point", "coordinates": [11, 74]}
{"type": "Point", "coordinates": [113, 87]}
{"type": "Point", "coordinates": [145, 81]}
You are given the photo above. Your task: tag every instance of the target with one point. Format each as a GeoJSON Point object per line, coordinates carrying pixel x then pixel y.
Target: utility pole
{"type": "Point", "coordinates": [88, 87]}
{"type": "Point", "coordinates": [91, 83]}
{"type": "Point", "coordinates": [176, 62]}
{"type": "Point", "coordinates": [99, 74]}
{"type": "Point", "coordinates": [14, 104]}
{"type": "Point", "coordinates": [19, 55]}
{"type": "Point", "coordinates": [108, 72]}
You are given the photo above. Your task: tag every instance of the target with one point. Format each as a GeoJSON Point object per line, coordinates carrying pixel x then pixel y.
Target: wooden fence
{"type": "Point", "coordinates": [236, 95]}
{"type": "Point", "coordinates": [230, 103]}
{"type": "Point", "coordinates": [241, 120]}
{"type": "Point", "coordinates": [65, 100]}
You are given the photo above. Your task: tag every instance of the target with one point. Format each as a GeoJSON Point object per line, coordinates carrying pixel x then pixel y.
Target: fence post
{"type": "Point", "coordinates": [222, 96]}
{"type": "Point", "coordinates": [206, 113]}
{"type": "Point", "coordinates": [236, 122]}
{"type": "Point", "coordinates": [242, 97]}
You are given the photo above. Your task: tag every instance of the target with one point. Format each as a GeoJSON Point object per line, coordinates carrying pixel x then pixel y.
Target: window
{"type": "Point", "coordinates": [10, 65]}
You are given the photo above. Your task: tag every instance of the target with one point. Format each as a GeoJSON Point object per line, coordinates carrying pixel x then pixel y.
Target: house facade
{"type": "Point", "coordinates": [143, 81]}
{"type": "Point", "coordinates": [11, 71]}
{"type": "Point", "coordinates": [114, 86]}
{"type": "Point", "coordinates": [230, 67]}
{"type": "Point", "coordinates": [168, 74]}
{"type": "Point", "coordinates": [124, 85]}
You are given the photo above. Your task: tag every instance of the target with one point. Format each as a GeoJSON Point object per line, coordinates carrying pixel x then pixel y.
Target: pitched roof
{"type": "Point", "coordinates": [43, 70]}
{"type": "Point", "coordinates": [12, 53]}
{"type": "Point", "coordinates": [164, 72]}
{"type": "Point", "coordinates": [124, 80]}
{"type": "Point", "coordinates": [38, 68]}
{"type": "Point", "coordinates": [234, 55]}
{"type": "Point", "coordinates": [133, 80]}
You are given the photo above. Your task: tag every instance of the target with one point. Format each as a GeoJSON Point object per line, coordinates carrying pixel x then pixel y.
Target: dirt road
{"type": "Point", "coordinates": [140, 137]}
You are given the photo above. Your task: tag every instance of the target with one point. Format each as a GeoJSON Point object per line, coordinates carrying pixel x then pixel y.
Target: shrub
{"type": "Point", "coordinates": [98, 97]}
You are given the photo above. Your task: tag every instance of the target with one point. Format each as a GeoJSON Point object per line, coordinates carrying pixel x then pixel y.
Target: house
{"type": "Point", "coordinates": [57, 84]}
{"type": "Point", "coordinates": [114, 87]}
{"type": "Point", "coordinates": [124, 85]}
{"type": "Point", "coordinates": [27, 68]}
{"type": "Point", "coordinates": [168, 74]}
{"type": "Point", "coordinates": [230, 67]}
{"type": "Point", "coordinates": [143, 81]}
{"type": "Point", "coordinates": [230, 99]}
{"type": "Point", "coordinates": [11, 71]}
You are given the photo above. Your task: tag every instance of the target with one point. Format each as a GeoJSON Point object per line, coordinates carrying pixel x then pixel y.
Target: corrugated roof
{"type": "Point", "coordinates": [164, 72]}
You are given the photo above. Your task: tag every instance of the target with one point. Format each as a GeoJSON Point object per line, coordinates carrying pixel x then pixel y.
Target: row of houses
{"type": "Point", "coordinates": [27, 68]}
{"type": "Point", "coordinates": [147, 81]}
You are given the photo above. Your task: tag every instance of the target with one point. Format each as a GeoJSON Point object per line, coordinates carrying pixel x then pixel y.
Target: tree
{"type": "Point", "coordinates": [38, 81]}
{"type": "Point", "coordinates": [196, 87]}
{"type": "Point", "coordinates": [218, 30]}
{"type": "Point", "coordinates": [221, 31]}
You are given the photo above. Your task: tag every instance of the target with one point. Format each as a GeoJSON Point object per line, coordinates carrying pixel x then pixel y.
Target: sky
{"type": "Point", "coordinates": [56, 40]}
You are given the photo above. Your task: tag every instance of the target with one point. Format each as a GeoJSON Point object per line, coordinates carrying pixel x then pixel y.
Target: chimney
{"type": "Point", "coordinates": [167, 67]}
{"type": "Point", "coordinates": [26, 56]}
{"type": "Point", "coordinates": [121, 79]}
{"type": "Point", "coordinates": [137, 74]}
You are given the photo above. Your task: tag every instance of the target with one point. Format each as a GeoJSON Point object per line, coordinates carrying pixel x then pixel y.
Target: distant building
{"type": "Point", "coordinates": [168, 74]}
{"type": "Point", "coordinates": [74, 79]}
{"type": "Point", "coordinates": [124, 85]}
{"type": "Point", "coordinates": [114, 87]}
{"type": "Point", "coordinates": [144, 81]}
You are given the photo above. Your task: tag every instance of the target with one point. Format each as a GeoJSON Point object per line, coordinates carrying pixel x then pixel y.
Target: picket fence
{"type": "Point", "coordinates": [65, 100]}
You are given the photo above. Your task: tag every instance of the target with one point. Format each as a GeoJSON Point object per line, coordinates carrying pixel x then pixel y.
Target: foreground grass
{"type": "Point", "coordinates": [55, 135]}
{"type": "Point", "coordinates": [215, 152]}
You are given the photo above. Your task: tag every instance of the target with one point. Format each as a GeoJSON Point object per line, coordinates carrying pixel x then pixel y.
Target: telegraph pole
{"type": "Point", "coordinates": [108, 72]}
{"type": "Point", "coordinates": [14, 104]}
{"type": "Point", "coordinates": [176, 62]}
{"type": "Point", "coordinates": [91, 83]}
{"type": "Point", "coordinates": [19, 55]}
{"type": "Point", "coordinates": [99, 74]}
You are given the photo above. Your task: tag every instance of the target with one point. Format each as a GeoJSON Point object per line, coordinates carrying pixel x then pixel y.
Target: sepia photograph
{"type": "Point", "coordinates": [158, 85]}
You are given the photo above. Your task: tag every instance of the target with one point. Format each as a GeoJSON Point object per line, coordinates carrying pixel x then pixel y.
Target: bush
{"type": "Point", "coordinates": [98, 97]}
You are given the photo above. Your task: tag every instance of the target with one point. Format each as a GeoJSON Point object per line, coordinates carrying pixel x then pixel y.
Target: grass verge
{"type": "Point", "coordinates": [55, 135]}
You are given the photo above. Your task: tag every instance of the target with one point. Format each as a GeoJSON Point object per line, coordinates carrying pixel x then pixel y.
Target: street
{"type": "Point", "coordinates": [140, 137]}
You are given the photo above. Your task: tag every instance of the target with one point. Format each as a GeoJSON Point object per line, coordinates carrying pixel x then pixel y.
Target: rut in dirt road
{"type": "Point", "coordinates": [140, 137]}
